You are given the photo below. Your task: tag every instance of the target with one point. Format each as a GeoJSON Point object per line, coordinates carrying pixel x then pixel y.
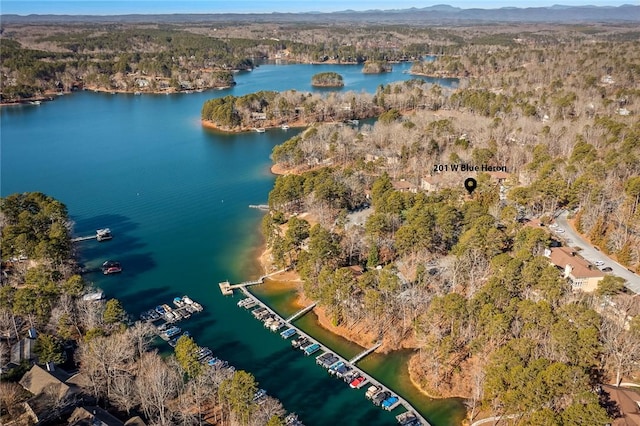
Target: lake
{"type": "Point", "coordinates": [176, 197]}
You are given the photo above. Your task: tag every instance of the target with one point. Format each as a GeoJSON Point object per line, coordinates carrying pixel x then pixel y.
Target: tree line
{"type": "Point", "coordinates": [42, 288]}
{"type": "Point", "coordinates": [466, 278]}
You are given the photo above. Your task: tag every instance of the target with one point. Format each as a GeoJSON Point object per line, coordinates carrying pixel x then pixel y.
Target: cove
{"type": "Point", "coordinates": [176, 197]}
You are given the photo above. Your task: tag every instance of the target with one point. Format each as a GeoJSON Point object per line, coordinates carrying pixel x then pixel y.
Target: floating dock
{"type": "Point", "coordinates": [227, 288]}
{"type": "Point", "coordinates": [163, 318]}
{"type": "Point", "coordinates": [264, 311]}
{"type": "Point", "coordinates": [100, 235]}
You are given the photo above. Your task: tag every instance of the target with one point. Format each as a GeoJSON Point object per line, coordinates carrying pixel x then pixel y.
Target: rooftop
{"type": "Point", "coordinates": [580, 268]}
{"type": "Point", "coordinates": [38, 380]}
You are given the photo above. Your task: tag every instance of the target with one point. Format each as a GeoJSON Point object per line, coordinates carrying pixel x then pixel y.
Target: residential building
{"type": "Point", "coordinates": [431, 183]}
{"type": "Point", "coordinates": [404, 186]}
{"type": "Point", "coordinates": [581, 274]}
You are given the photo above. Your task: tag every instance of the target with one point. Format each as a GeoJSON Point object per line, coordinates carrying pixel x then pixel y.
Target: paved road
{"type": "Point", "coordinates": [573, 239]}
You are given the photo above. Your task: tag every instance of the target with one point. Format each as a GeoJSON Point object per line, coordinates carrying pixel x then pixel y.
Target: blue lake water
{"type": "Point", "coordinates": [176, 197]}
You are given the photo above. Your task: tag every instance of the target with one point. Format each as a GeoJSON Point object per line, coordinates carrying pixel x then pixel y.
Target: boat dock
{"type": "Point", "coordinates": [101, 235]}
{"type": "Point", "coordinates": [163, 316]}
{"type": "Point", "coordinates": [263, 311]}
{"type": "Point", "coordinates": [301, 312]}
{"type": "Point", "coordinates": [227, 288]}
{"type": "Point", "coordinates": [259, 206]}
{"type": "Point", "coordinates": [364, 353]}
{"type": "Point", "coordinates": [89, 237]}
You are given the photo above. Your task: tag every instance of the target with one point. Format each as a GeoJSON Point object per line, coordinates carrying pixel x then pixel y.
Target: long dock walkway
{"type": "Point", "coordinates": [364, 353]}
{"type": "Point", "coordinates": [301, 312]}
{"type": "Point", "coordinates": [89, 237]}
{"type": "Point", "coordinates": [227, 288]}
{"type": "Point", "coordinates": [324, 348]}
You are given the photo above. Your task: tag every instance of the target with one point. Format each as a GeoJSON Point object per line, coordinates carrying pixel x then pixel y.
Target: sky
{"type": "Point", "coordinates": [117, 7]}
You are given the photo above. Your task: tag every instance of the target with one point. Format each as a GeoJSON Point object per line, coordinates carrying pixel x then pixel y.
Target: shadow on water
{"type": "Point", "coordinates": [124, 243]}
{"type": "Point", "coordinates": [118, 223]}
{"type": "Point", "coordinates": [138, 298]}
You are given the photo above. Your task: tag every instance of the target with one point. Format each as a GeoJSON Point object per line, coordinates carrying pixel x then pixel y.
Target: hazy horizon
{"type": "Point", "coordinates": [102, 7]}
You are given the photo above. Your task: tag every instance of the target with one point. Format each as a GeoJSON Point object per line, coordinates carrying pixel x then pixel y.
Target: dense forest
{"type": "Point", "coordinates": [119, 366]}
{"type": "Point", "coordinates": [384, 236]}
{"type": "Point", "coordinates": [266, 108]}
{"type": "Point", "coordinates": [464, 280]}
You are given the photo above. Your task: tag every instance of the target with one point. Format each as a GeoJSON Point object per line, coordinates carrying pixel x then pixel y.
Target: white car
{"type": "Point", "coordinates": [553, 225]}
{"type": "Point", "coordinates": [598, 263]}
{"type": "Point", "coordinates": [559, 231]}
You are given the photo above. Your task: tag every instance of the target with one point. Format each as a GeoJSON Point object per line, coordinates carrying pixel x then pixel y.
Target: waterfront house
{"type": "Point", "coordinates": [52, 396]}
{"type": "Point", "coordinates": [581, 274]}
{"type": "Point", "coordinates": [499, 177]}
{"type": "Point", "coordinates": [431, 183]}
{"type": "Point", "coordinates": [259, 115]}
{"type": "Point", "coordinates": [404, 186]}
{"type": "Point", "coordinates": [92, 416]}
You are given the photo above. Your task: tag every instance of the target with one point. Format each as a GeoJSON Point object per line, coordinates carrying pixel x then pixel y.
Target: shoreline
{"type": "Point", "coordinates": [292, 280]}
{"type": "Point", "coordinates": [242, 129]}
{"type": "Point", "coordinates": [452, 77]}
{"type": "Point", "coordinates": [51, 96]}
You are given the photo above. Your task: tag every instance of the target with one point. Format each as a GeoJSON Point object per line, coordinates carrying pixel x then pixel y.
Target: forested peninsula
{"type": "Point", "coordinates": [271, 109]}
{"type": "Point", "coordinates": [385, 237]}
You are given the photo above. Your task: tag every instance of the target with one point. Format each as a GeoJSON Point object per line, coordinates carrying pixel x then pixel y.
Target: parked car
{"type": "Point", "coordinates": [598, 263]}
{"type": "Point", "coordinates": [606, 269]}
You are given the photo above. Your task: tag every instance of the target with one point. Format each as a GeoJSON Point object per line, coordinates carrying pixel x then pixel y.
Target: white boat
{"type": "Point", "coordinates": [187, 300]}
{"type": "Point", "coordinates": [103, 234]}
{"type": "Point", "coordinates": [259, 130]}
{"type": "Point", "coordinates": [276, 325]}
{"type": "Point", "coordinates": [35, 102]}
{"type": "Point", "coordinates": [98, 295]}
{"type": "Point", "coordinates": [285, 127]}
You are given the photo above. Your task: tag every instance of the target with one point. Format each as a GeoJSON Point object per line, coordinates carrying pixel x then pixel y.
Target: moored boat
{"type": "Point", "coordinates": [288, 333]}
{"type": "Point", "coordinates": [357, 382]}
{"type": "Point", "coordinates": [371, 391]}
{"type": "Point", "coordinates": [173, 331]}
{"type": "Point", "coordinates": [103, 234]}
{"type": "Point", "coordinates": [260, 393]}
{"type": "Point", "coordinates": [276, 325]}
{"type": "Point", "coordinates": [315, 347]}
{"type": "Point", "coordinates": [111, 267]}
{"type": "Point", "coordinates": [297, 343]}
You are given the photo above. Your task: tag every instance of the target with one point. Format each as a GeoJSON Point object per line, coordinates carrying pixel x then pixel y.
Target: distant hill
{"type": "Point", "coordinates": [432, 15]}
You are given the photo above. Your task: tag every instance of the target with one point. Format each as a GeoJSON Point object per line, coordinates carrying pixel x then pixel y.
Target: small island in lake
{"type": "Point", "coordinates": [376, 67]}
{"type": "Point", "coordinates": [327, 79]}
